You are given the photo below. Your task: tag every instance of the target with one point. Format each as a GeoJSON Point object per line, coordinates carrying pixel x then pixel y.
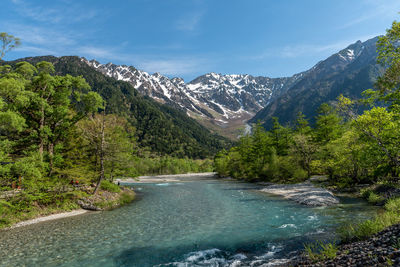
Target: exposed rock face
{"type": "Point", "coordinates": [225, 99]}
{"type": "Point", "coordinates": [348, 72]}
{"type": "Point", "coordinates": [212, 96]}
{"type": "Point", "coordinates": [304, 193]}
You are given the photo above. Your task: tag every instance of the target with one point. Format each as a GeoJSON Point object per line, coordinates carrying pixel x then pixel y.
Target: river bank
{"type": "Point", "coordinates": [382, 249]}
{"type": "Point", "coordinates": [165, 178]}
{"type": "Point", "coordinates": [49, 218]}
{"type": "Point", "coordinates": [80, 203]}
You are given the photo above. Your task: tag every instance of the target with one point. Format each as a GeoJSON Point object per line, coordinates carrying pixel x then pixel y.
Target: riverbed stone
{"type": "Point", "coordinates": [362, 253]}
{"type": "Point", "coordinates": [303, 193]}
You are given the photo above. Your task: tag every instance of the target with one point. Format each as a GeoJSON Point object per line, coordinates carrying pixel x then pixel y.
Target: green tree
{"type": "Point", "coordinates": [42, 107]}
{"type": "Point", "coordinates": [388, 85]}
{"type": "Point", "coordinates": [303, 148]}
{"type": "Point", "coordinates": [8, 42]}
{"type": "Point", "coordinates": [328, 125]}
{"type": "Point", "coordinates": [281, 137]}
{"type": "Point", "coordinates": [110, 139]}
{"type": "Point", "coordinates": [302, 125]}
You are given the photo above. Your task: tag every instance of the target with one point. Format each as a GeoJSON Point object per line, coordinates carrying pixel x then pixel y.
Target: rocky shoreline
{"type": "Point", "coordinates": [382, 249]}
{"type": "Point", "coordinates": [303, 193]}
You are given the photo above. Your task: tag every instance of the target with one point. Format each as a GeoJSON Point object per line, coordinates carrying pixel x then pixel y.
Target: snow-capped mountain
{"type": "Point", "coordinates": [348, 72]}
{"type": "Point", "coordinates": [230, 100]}
{"type": "Point", "coordinates": [220, 98]}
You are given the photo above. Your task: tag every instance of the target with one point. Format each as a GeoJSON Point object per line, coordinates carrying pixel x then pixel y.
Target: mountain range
{"type": "Point", "coordinates": [348, 72]}
{"type": "Point", "coordinates": [224, 103]}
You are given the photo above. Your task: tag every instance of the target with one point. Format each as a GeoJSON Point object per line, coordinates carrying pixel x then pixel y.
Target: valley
{"type": "Point", "coordinates": [224, 133]}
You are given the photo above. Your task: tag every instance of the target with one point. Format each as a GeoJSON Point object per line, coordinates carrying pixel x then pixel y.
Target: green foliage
{"type": "Point", "coordinates": [320, 251]}
{"type": "Point", "coordinates": [374, 198]}
{"type": "Point", "coordinates": [278, 155]}
{"type": "Point", "coordinates": [8, 42]}
{"type": "Point", "coordinates": [110, 187]}
{"type": "Point", "coordinates": [168, 165]}
{"type": "Point", "coordinates": [328, 125]}
{"type": "Point", "coordinates": [393, 205]}
{"type": "Point", "coordinates": [159, 128]}
{"type": "Point", "coordinates": [360, 231]}
{"type": "Point", "coordinates": [126, 197]}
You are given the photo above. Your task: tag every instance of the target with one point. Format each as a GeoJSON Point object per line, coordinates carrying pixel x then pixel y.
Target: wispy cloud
{"type": "Point", "coordinates": [173, 66]}
{"type": "Point", "coordinates": [66, 12]}
{"type": "Point", "coordinates": [44, 41]}
{"type": "Point", "coordinates": [376, 9]}
{"type": "Point", "coordinates": [43, 36]}
{"type": "Point", "coordinates": [299, 50]}
{"type": "Point", "coordinates": [189, 22]}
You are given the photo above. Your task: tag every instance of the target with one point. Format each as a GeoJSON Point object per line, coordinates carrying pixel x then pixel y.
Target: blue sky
{"type": "Point", "coordinates": [187, 38]}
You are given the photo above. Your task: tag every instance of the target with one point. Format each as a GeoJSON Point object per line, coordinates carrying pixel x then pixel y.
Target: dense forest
{"type": "Point", "coordinates": [160, 129]}
{"type": "Point", "coordinates": [66, 131]}
{"type": "Point", "coordinates": [348, 145]}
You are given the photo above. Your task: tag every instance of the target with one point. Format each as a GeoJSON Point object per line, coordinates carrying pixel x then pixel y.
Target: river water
{"type": "Point", "coordinates": [202, 222]}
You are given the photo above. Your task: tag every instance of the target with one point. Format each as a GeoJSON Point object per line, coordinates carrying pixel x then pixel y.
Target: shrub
{"type": "Point", "coordinates": [126, 197]}
{"type": "Point", "coordinates": [349, 232]}
{"type": "Point", "coordinates": [393, 205]}
{"type": "Point", "coordinates": [320, 251]}
{"type": "Point", "coordinates": [374, 198]}
{"type": "Point", "coordinates": [110, 187]}
{"type": "Point", "coordinates": [365, 192]}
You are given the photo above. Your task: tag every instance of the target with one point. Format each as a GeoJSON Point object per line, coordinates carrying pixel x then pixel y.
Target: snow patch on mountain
{"type": "Point", "coordinates": [215, 96]}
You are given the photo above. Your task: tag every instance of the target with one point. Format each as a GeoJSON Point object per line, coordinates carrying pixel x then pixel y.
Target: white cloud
{"type": "Point", "coordinates": [299, 50]}
{"type": "Point", "coordinates": [58, 13]}
{"type": "Point", "coordinates": [38, 40]}
{"type": "Point", "coordinates": [375, 9]}
{"type": "Point", "coordinates": [97, 52]}
{"type": "Point", "coordinates": [43, 36]}
{"type": "Point", "coordinates": [189, 22]}
{"type": "Point", "coordinates": [172, 66]}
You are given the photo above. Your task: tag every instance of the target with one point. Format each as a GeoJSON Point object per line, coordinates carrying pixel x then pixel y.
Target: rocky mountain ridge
{"type": "Point", "coordinates": [228, 101]}
{"type": "Point", "coordinates": [216, 97]}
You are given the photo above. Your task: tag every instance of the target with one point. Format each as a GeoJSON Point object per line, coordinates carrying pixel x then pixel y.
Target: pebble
{"type": "Point", "coordinates": [375, 251]}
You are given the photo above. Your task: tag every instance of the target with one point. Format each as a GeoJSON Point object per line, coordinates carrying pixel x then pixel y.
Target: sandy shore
{"type": "Point", "coordinates": [165, 178]}
{"type": "Point", "coordinates": [49, 218]}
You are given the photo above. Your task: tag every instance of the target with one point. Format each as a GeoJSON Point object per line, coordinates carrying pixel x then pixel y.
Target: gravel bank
{"type": "Point", "coordinates": [49, 218]}
{"type": "Point", "coordinates": [304, 193]}
{"type": "Point", "coordinates": [381, 249]}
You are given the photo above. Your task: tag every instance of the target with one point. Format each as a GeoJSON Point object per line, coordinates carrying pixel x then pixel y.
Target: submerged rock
{"type": "Point", "coordinates": [304, 193]}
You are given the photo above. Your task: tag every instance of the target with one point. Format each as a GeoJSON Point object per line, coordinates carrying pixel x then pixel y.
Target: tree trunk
{"type": "Point", "coordinates": [41, 127]}
{"type": "Point", "coordinates": [101, 178]}
{"type": "Point", "coordinates": [111, 172]}
{"type": "Point", "coordinates": [51, 156]}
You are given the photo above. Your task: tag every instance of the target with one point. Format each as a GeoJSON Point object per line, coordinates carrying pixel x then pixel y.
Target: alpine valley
{"type": "Point", "coordinates": [225, 103]}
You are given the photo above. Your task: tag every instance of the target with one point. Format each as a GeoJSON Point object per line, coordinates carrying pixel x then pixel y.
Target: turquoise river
{"type": "Point", "coordinates": [195, 222]}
